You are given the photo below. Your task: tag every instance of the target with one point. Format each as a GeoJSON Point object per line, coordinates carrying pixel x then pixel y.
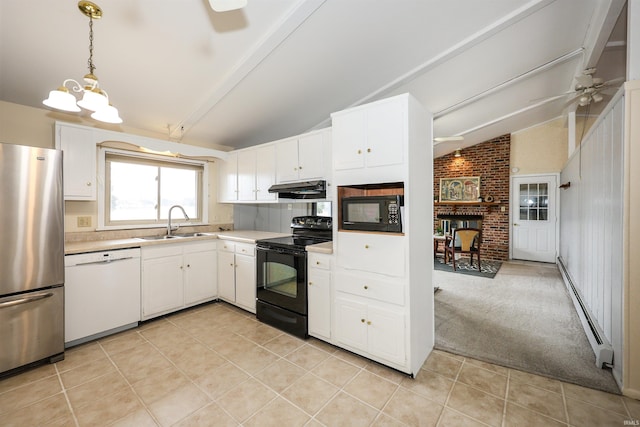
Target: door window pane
{"type": "Point", "coordinates": [534, 201]}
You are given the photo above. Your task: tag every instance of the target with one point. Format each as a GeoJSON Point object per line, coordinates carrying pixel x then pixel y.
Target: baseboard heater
{"type": "Point", "coordinates": [601, 347]}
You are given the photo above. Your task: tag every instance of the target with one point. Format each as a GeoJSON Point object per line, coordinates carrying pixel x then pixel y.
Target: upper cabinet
{"type": "Point", "coordinates": [256, 173]}
{"type": "Point", "coordinates": [228, 179]}
{"type": "Point", "coordinates": [370, 136]}
{"type": "Point", "coordinates": [247, 174]}
{"type": "Point", "coordinates": [79, 161]}
{"type": "Point", "coordinates": [303, 157]}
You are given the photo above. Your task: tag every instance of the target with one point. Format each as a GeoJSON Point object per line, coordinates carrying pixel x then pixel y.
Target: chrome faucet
{"type": "Point", "coordinates": [169, 223]}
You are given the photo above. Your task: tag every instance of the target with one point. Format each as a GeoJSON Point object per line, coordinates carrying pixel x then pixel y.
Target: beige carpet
{"type": "Point", "coordinates": [522, 319]}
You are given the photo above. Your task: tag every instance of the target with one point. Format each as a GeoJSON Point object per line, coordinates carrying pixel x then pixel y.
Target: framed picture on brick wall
{"type": "Point", "coordinates": [463, 189]}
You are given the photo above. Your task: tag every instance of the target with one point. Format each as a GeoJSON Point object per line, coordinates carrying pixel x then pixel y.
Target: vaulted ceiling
{"type": "Point", "coordinates": [278, 68]}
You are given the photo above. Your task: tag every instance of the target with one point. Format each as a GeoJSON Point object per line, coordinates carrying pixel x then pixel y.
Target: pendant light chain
{"type": "Point", "coordinates": [90, 62]}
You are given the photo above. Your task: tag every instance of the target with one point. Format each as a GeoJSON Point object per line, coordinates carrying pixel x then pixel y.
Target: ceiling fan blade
{"type": "Point", "coordinates": [613, 82]}
{"type": "Point", "coordinates": [227, 5]}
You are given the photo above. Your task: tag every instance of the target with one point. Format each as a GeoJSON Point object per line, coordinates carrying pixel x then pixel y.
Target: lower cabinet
{"type": "Point", "coordinates": [237, 274]}
{"type": "Point", "coordinates": [177, 275]}
{"type": "Point", "coordinates": [319, 295]}
{"type": "Point", "coordinates": [373, 329]}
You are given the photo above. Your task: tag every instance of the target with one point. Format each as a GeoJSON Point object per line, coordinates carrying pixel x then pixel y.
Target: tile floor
{"type": "Point", "coordinates": [215, 365]}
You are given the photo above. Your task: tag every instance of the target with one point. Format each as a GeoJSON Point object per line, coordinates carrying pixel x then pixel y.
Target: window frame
{"type": "Point", "coordinates": [149, 158]}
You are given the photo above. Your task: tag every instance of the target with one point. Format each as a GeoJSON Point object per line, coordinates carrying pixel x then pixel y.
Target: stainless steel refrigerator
{"type": "Point", "coordinates": [31, 256]}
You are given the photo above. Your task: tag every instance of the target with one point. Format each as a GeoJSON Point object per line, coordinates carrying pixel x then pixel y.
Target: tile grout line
{"type": "Point", "coordinates": [66, 397]}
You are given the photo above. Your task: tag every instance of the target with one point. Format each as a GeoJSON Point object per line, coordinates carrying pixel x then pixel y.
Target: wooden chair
{"type": "Point", "coordinates": [464, 241]}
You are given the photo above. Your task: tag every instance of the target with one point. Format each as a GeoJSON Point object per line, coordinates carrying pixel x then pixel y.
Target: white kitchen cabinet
{"type": "Point", "coordinates": [382, 282]}
{"type": "Point", "coordinates": [237, 274]}
{"type": "Point", "coordinates": [369, 136]}
{"type": "Point", "coordinates": [303, 157]}
{"type": "Point", "coordinates": [177, 275]}
{"type": "Point", "coordinates": [376, 329]}
{"type": "Point", "coordinates": [228, 177]}
{"type": "Point", "coordinates": [319, 295]}
{"type": "Point", "coordinates": [256, 173]}
{"type": "Point", "coordinates": [79, 161]}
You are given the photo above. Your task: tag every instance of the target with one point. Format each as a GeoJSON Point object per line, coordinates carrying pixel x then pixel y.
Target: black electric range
{"type": "Point", "coordinates": [281, 275]}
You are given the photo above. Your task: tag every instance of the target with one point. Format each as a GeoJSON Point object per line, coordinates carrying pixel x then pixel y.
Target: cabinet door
{"type": "Point", "coordinates": [162, 288]}
{"type": "Point", "coordinates": [247, 175]}
{"type": "Point", "coordinates": [287, 160]}
{"type": "Point", "coordinates": [348, 140]}
{"type": "Point", "coordinates": [386, 333]}
{"type": "Point", "coordinates": [377, 253]}
{"type": "Point", "coordinates": [319, 295]}
{"type": "Point", "coordinates": [226, 276]}
{"type": "Point", "coordinates": [228, 175]}
{"type": "Point", "coordinates": [311, 156]}
{"type": "Point", "coordinates": [79, 163]}
{"type": "Point", "coordinates": [385, 133]}
{"type": "Point", "coordinates": [246, 282]}
{"type": "Point", "coordinates": [350, 322]}
{"type": "Point", "coordinates": [200, 276]}
{"type": "Point", "coordinates": [265, 172]}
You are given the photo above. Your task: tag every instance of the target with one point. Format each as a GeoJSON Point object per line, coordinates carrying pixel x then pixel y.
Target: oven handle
{"type": "Point", "coordinates": [282, 251]}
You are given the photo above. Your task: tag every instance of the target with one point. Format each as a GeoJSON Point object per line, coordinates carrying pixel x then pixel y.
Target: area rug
{"type": "Point", "coordinates": [488, 268]}
{"type": "Point", "coordinates": [522, 319]}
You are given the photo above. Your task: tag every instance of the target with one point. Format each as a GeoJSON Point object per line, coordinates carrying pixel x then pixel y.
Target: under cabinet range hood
{"type": "Point", "coordinates": [301, 190]}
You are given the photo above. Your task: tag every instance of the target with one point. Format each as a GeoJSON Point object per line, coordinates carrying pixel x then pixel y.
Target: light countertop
{"type": "Point", "coordinates": [245, 236]}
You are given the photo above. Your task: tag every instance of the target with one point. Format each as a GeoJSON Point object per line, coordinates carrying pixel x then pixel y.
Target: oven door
{"type": "Point", "coordinates": [282, 278]}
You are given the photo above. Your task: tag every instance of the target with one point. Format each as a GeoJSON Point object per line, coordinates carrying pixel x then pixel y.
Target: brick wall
{"type": "Point", "coordinates": [490, 161]}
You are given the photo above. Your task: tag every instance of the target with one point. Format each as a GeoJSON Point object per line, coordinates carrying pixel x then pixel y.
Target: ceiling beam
{"type": "Point", "coordinates": [299, 13]}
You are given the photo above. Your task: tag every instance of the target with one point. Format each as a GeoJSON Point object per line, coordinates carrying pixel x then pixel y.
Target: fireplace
{"type": "Point", "coordinates": [450, 221]}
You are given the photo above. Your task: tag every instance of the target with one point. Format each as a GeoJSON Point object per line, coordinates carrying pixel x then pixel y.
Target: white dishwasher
{"type": "Point", "coordinates": [102, 294]}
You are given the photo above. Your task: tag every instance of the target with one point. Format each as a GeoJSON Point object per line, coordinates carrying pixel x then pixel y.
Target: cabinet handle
{"type": "Point", "coordinates": [366, 246]}
{"type": "Point", "coordinates": [368, 322]}
{"type": "Point", "coordinates": [188, 265]}
{"type": "Point", "coordinates": [317, 262]}
{"type": "Point", "coordinates": [181, 267]}
{"type": "Point", "coordinates": [231, 264]}
{"type": "Point", "coordinates": [368, 150]}
{"type": "Point", "coordinates": [310, 283]}
{"type": "Point", "coordinates": [362, 320]}
{"type": "Point", "coordinates": [89, 184]}
{"type": "Point", "coordinates": [359, 151]}
{"type": "Point", "coordinates": [295, 169]}
{"type": "Point", "coordinates": [300, 167]}
{"type": "Point", "coordinates": [366, 287]}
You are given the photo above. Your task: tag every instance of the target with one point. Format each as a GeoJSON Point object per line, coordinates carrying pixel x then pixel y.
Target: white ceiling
{"type": "Point", "coordinates": [280, 67]}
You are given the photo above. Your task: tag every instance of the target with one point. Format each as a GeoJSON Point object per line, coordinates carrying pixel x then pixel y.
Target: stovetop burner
{"type": "Point", "coordinates": [307, 230]}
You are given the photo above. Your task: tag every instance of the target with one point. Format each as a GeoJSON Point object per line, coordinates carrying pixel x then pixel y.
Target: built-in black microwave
{"type": "Point", "coordinates": [372, 213]}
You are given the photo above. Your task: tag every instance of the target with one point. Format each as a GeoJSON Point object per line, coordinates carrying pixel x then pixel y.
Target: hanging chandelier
{"type": "Point", "coordinates": [93, 97]}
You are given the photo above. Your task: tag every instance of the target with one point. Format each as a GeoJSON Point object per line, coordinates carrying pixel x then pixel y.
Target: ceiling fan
{"type": "Point", "coordinates": [227, 5]}
{"type": "Point", "coordinates": [588, 89]}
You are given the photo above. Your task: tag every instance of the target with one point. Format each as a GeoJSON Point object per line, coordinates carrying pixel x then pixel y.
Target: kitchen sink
{"type": "Point", "coordinates": [165, 237]}
{"type": "Point", "coordinates": [177, 236]}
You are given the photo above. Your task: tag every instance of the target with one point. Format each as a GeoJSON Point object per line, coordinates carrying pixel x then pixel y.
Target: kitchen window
{"type": "Point", "coordinates": [139, 189]}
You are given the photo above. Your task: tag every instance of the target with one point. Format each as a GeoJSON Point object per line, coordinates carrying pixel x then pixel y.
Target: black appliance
{"type": "Point", "coordinates": [372, 213]}
{"type": "Point", "coordinates": [301, 190]}
{"type": "Point", "coordinates": [282, 274]}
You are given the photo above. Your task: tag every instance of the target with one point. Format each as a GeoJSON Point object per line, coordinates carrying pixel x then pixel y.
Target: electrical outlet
{"type": "Point", "coordinates": [289, 207]}
{"type": "Point", "coordinates": [84, 221]}
{"type": "Point", "coordinates": [503, 208]}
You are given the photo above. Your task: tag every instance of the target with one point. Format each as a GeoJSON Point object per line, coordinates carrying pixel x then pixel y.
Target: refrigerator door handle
{"type": "Point", "coordinates": [25, 300]}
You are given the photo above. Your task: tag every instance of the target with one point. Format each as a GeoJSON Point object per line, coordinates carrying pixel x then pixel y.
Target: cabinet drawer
{"type": "Point", "coordinates": [319, 261]}
{"type": "Point", "coordinates": [246, 249]}
{"type": "Point", "coordinates": [226, 246]}
{"type": "Point", "coordinates": [376, 253]}
{"type": "Point", "coordinates": [379, 288]}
